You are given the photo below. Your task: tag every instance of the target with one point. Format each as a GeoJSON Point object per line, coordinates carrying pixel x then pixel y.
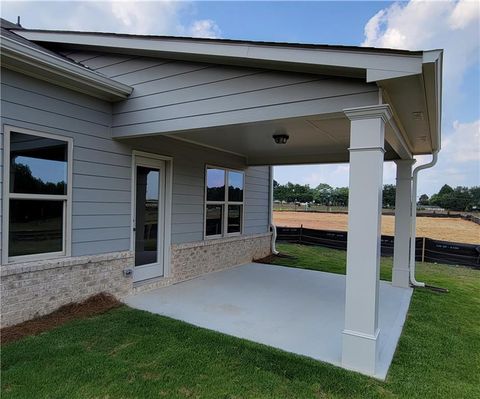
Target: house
{"type": "Point", "coordinates": [134, 162]}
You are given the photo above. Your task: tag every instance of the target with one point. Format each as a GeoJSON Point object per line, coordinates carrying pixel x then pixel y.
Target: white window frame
{"type": "Point", "coordinates": [67, 199]}
{"type": "Point", "coordinates": [225, 203]}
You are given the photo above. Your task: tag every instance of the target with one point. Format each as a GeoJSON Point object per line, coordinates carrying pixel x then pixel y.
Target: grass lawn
{"type": "Point", "coordinates": [127, 353]}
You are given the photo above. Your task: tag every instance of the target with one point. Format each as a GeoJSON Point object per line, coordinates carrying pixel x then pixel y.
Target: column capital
{"type": "Point", "coordinates": [382, 111]}
{"type": "Point", "coordinates": [405, 161]}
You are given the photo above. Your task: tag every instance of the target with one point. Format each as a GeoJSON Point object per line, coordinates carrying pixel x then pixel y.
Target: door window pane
{"type": "Point", "coordinates": [215, 185]}
{"type": "Point", "coordinates": [146, 216]}
{"type": "Point", "coordinates": [213, 225]}
{"type": "Point", "coordinates": [234, 219]}
{"type": "Point", "coordinates": [38, 165]}
{"type": "Point", "coordinates": [235, 186]}
{"type": "Point", "coordinates": [35, 227]}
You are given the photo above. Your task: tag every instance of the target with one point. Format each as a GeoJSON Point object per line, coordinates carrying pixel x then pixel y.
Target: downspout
{"type": "Point", "coordinates": [272, 225]}
{"type": "Point", "coordinates": [413, 216]}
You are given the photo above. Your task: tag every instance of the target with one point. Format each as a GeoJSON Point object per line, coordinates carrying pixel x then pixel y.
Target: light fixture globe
{"type": "Point", "coordinates": [280, 138]}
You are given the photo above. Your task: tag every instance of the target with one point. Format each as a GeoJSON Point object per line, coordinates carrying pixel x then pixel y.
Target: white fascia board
{"type": "Point", "coordinates": [375, 63]}
{"type": "Point", "coordinates": [432, 82]}
{"type": "Point", "coordinates": [37, 62]}
{"type": "Point", "coordinates": [377, 75]}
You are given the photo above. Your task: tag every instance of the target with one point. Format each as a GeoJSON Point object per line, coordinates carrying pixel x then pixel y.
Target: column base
{"type": "Point", "coordinates": [401, 277]}
{"type": "Point", "coordinates": [359, 351]}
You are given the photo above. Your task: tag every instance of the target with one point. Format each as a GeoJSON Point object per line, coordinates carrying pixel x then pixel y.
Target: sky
{"type": "Point", "coordinates": [412, 25]}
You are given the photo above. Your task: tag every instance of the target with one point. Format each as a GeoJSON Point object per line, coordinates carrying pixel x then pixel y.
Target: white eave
{"type": "Point", "coordinates": [42, 65]}
{"type": "Point", "coordinates": [346, 60]}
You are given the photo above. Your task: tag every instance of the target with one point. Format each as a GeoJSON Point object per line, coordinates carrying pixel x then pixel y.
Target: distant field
{"type": "Point", "coordinates": [446, 229]}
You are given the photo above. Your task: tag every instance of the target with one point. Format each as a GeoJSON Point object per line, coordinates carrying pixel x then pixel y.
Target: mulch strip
{"type": "Point", "coordinates": [92, 306]}
{"type": "Point", "coordinates": [270, 258]}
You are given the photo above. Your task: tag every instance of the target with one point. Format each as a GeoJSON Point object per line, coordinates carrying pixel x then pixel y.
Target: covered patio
{"type": "Point", "coordinates": [362, 116]}
{"type": "Point", "coordinates": [296, 310]}
{"type": "Point", "coordinates": [284, 104]}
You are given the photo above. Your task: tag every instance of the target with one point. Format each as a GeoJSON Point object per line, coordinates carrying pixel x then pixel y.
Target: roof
{"type": "Point", "coordinates": [410, 81]}
{"type": "Point", "coordinates": [231, 41]}
{"type": "Point", "coordinates": [33, 59]}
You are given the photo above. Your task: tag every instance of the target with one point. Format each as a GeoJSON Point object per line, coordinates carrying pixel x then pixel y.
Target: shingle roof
{"type": "Point", "coordinates": [237, 41]}
{"type": "Point", "coordinates": [6, 28]}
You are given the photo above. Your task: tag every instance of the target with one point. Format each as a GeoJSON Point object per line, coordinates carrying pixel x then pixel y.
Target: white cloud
{"type": "Point", "coordinates": [463, 145]}
{"type": "Point", "coordinates": [128, 16]}
{"type": "Point", "coordinates": [204, 28]}
{"type": "Point", "coordinates": [458, 162]}
{"type": "Point", "coordinates": [423, 25]}
{"type": "Point", "coordinates": [464, 13]}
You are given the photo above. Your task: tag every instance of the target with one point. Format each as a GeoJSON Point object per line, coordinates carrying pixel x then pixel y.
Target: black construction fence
{"type": "Point", "coordinates": [426, 249]}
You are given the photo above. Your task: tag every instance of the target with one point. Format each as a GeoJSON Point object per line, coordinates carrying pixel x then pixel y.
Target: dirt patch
{"type": "Point", "coordinates": [94, 305]}
{"type": "Point", "coordinates": [445, 229]}
{"type": "Point", "coordinates": [270, 258]}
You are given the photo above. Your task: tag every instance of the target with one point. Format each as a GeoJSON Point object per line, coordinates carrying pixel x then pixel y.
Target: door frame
{"type": "Point", "coordinates": [167, 207]}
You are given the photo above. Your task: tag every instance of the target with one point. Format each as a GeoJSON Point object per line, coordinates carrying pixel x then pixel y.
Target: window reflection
{"type": "Point", "coordinates": [146, 216]}
{"type": "Point", "coordinates": [215, 185]}
{"type": "Point", "coordinates": [213, 224]}
{"type": "Point", "coordinates": [234, 218]}
{"type": "Point", "coordinates": [38, 165]}
{"type": "Point", "coordinates": [35, 227]}
{"type": "Point", "coordinates": [235, 186]}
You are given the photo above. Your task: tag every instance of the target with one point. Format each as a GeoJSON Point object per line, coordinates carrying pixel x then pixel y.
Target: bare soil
{"type": "Point", "coordinates": [446, 229]}
{"type": "Point", "coordinates": [94, 305]}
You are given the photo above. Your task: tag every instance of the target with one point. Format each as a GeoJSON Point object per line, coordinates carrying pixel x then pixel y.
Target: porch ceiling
{"type": "Point", "coordinates": [314, 139]}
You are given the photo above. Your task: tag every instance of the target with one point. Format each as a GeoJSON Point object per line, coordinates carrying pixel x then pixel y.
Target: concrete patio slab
{"type": "Point", "coordinates": [299, 311]}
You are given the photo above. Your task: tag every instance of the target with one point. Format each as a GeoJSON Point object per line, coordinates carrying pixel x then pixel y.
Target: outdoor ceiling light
{"type": "Point", "coordinates": [280, 138]}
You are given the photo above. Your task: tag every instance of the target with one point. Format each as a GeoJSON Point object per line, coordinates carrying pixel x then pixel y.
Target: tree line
{"type": "Point", "coordinates": [458, 199]}
{"type": "Point", "coordinates": [454, 199]}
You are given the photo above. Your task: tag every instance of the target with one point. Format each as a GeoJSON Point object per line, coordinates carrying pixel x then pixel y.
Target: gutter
{"type": "Point", "coordinates": [34, 62]}
{"type": "Point", "coordinates": [413, 216]}
{"type": "Point", "coordinates": [273, 228]}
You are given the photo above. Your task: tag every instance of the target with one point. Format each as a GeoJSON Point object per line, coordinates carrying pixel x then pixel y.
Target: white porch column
{"type": "Point", "coordinates": [401, 249]}
{"type": "Point", "coordinates": [367, 133]}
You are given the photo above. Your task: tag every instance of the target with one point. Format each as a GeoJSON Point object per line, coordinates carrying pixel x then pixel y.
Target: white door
{"type": "Point", "coordinates": [148, 218]}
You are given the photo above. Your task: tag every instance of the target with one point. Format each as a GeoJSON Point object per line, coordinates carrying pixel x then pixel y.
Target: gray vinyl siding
{"type": "Point", "coordinates": [101, 166]}
{"type": "Point", "coordinates": [257, 200]}
{"type": "Point", "coordinates": [101, 207]}
{"type": "Point", "coordinates": [1, 181]}
{"type": "Point", "coordinates": [173, 95]}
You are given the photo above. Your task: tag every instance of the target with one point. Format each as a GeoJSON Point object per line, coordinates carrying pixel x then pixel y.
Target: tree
{"type": "Point", "coordinates": [446, 189]}
{"type": "Point", "coordinates": [458, 199]}
{"type": "Point", "coordinates": [340, 196]}
{"type": "Point", "coordinates": [389, 191]}
{"type": "Point", "coordinates": [322, 194]}
{"type": "Point", "coordinates": [423, 200]}
{"type": "Point", "coordinates": [475, 195]}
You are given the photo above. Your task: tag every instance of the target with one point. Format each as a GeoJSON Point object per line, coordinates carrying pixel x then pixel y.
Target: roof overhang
{"type": "Point", "coordinates": [44, 66]}
{"type": "Point", "coordinates": [410, 80]}
{"type": "Point", "coordinates": [374, 64]}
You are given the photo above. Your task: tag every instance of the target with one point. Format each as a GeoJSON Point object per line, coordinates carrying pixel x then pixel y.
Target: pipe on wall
{"type": "Point", "coordinates": [272, 225]}
{"type": "Point", "coordinates": [413, 216]}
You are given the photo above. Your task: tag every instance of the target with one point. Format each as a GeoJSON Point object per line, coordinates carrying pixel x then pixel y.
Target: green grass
{"type": "Point", "coordinates": [127, 353]}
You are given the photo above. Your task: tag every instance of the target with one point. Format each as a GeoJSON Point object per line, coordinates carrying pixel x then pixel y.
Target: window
{"type": "Point", "coordinates": [224, 202]}
{"type": "Point", "coordinates": [37, 195]}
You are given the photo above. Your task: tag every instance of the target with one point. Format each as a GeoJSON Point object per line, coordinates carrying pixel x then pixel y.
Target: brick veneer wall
{"type": "Point", "coordinates": [194, 259]}
{"type": "Point", "coordinates": [33, 289]}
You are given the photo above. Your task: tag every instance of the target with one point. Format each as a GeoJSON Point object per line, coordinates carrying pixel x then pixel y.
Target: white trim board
{"type": "Point", "coordinates": [167, 205]}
